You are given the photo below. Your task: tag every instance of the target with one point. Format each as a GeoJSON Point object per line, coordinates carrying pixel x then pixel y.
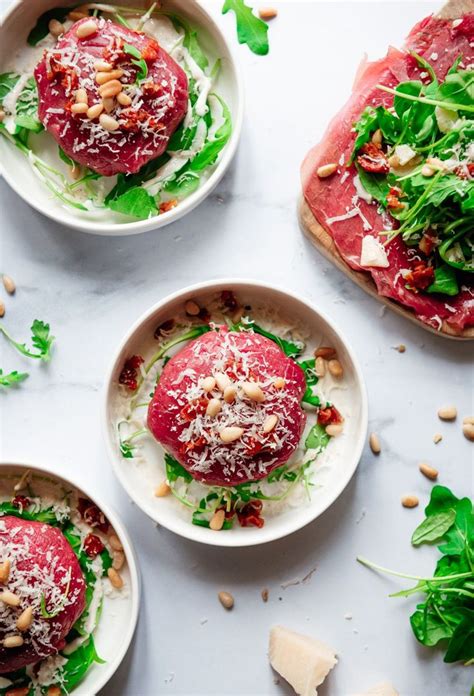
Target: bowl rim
{"type": "Point", "coordinates": [190, 531]}
{"type": "Point", "coordinates": [112, 229]}
{"type": "Point", "coordinates": [130, 554]}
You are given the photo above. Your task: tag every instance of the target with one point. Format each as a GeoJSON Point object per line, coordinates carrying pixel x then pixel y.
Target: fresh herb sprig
{"type": "Point", "coordinates": [40, 337]}
{"type": "Point", "coordinates": [138, 61]}
{"type": "Point", "coordinates": [12, 378]}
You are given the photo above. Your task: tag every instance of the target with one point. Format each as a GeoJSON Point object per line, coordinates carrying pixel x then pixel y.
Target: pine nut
{"type": "Point", "coordinates": [217, 520]}
{"type": "Point", "coordinates": [2, 115]}
{"type": "Point", "coordinates": [208, 384]}
{"type": "Point", "coordinates": [374, 443]}
{"type": "Point", "coordinates": [25, 619]}
{"type": "Point", "coordinates": [123, 99]}
{"type": "Point", "coordinates": [326, 170]}
{"type": "Point", "coordinates": [279, 383]}
{"type": "Point", "coordinates": [230, 434]}
{"type": "Point", "coordinates": [325, 352]}
{"type": "Point", "coordinates": [334, 429]}
{"type": "Point", "coordinates": [13, 642]}
{"type": "Point", "coordinates": [264, 594]}
{"type": "Point", "coordinates": [320, 367]}
{"type": "Point", "coordinates": [9, 284]}
{"type": "Point", "coordinates": [162, 490]}
{"type": "Point", "coordinates": [192, 308]}
{"type": "Point", "coordinates": [436, 163]}
{"type": "Point", "coordinates": [80, 96]}
{"type": "Point", "coordinates": [401, 348]}
{"type": "Point", "coordinates": [86, 29]}
{"type": "Point", "coordinates": [5, 571]}
{"type": "Point", "coordinates": [108, 104]}
{"type": "Point", "coordinates": [253, 391]}
{"type": "Point", "coordinates": [102, 66]}
{"type": "Point", "coordinates": [76, 171]}
{"type": "Point", "coordinates": [213, 407]}
{"type": "Point", "coordinates": [437, 438]}
{"type": "Point", "coordinates": [426, 170]}
{"type": "Point", "coordinates": [9, 598]}
{"type": "Point", "coordinates": [410, 501]}
{"type": "Point", "coordinates": [222, 381]}
{"type": "Point", "coordinates": [447, 413]}
{"type": "Point", "coordinates": [270, 423]}
{"type": "Point", "coordinates": [94, 111]}
{"type": "Point", "coordinates": [394, 161]}
{"type": "Point", "coordinates": [115, 578]}
{"type": "Point", "coordinates": [53, 691]}
{"type": "Point", "coordinates": [377, 137]}
{"type": "Point", "coordinates": [468, 419]}
{"type": "Point", "coordinates": [226, 599]}
{"type": "Point", "coordinates": [2, 308]}
{"type": "Point", "coordinates": [267, 13]}
{"type": "Point", "coordinates": [468, 431]}
{"type": "Point", "coordinates": [108, 123]}
{"type": "Point", "coordinates": [110, 89]}
{"type": "Point", "coordinates": [105, 76]}
{"type": "Point", "coordinates": [230, 393]}
{"type": "Point", "coordinates": [115, 543]}
{"type": "Point", "coordinates": [428, 471]}
{"type": "Point", "coordinates": [118, 560]}
{"type": "Point", "coordinates": [335, 368]}
{"type": "Point", "coordinates": [55, 28]}
{"type": "Point", "coordinates": [79, 108]}
{"type": "Point", "coordinates": [75, 16]}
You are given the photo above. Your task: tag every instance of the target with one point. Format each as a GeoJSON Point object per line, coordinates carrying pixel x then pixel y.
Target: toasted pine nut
{"type": "Point", "coordinates": [267, 13]}
{"type": "Point", "coordinates": [401, 348]}
{"type": "Point", "coordinates": [75, 15]}
{"type": "Point", "coordinates": [208, 384]}
{"type": "Point", "coordinates": [436, 163]}
{"type": "Point", "coordinates": [468, 419]}
{"type": "Point", "coordinates": [13, 642]}
{"type": "Point", "coordinates": [428, 471]}
{"type": "Point", "coordinates": [9, 598]}
{"type": "Point", "coordinates": [253, 391]}
{"type": "Point", "coordinates": [270, 423]}
{"type": "Point", "coordinates": [53, 691]}
{"type": "Point", "coordinates": [118, 560]}
{"type": "Point", "coordinates": [447, 413]}
{"type": "Point", "coordinates": [335, 368]}
{"type": "Point", "coordinates": [86, 29]}
{"type": "Point", "coordinates": [2, 308]}
{"type": "Point", "coordinates": [80, 96]}
{"type": "Point", "coordinates": [213, 407]}
{"type": "Point", "coordinates": [79, 108]}
{"type": "Point", "coordinates": [105, 76]}
{"type": "Point", "coordinates": [374, 443]}
{"type": "Point", "coordinates": [9, 284]}
{"type": "Point", "coordinates": [217, 520]}
{"type": "Point", "coordinates": [326, 170]}
{"type": "Point", "coordinates": [377, 137]}
{"type": "Point", "coordinates": [162, 490]}
{"type": "Point", "coordinates": [426, 170]}
{"type": "Point", "coordinates": [108, 123]}
{"type": "Point", "coordinates": [55, 28]}
{"type": "Point", "coordinates": [437, 438]}
{"type": "Point", "coordinates": [123, 99]}
{"type": "Point", "coordinates": [109, 104]}
{"type": "Point", "coordinates": [264, 594]}
{"type": "Point", "coordinates": [76, 171]}
{"type": "Point", "coordinates": [230, 434]}
{"type": "Point", "coordinates": [102, 66]}
{"type": "Point", "coordinates": [320, 367]}
{"type": "Point", "coordinates": [394, 161]}
{"type": "Point", "coordinates": [192, 308]}
{"type": "Point", "coordinates": [115, 578]}
{"type": "Point", "coordinates": [222, 380]}
{"type": "Point", "coordinates": [110, 89]}
{"type": "Point", "coordinates": [410, 501]}
{"type": "Point", "coordinates": [325, 352]}
{"type": "Point", "coordinates": [468, 431]}
{"type": "Point", "coordinates": [115, 543]}
{"type": "Point", "coordinates": [230, 393]}
{"type": "Point", "coordinates": [2, 115]}
{"type": "Point", "coordinates": [334, 429]}
{"type": "Point", "coordinates": [25, 619]}
{"type": "Point", "coordinates": [226, 599]}
{"type": "Point", "coordinates": [94, 111]}
{"type": "Point", "coordinates": [5, 571]}
{"type": "Point", "coordinates": [279, 383]}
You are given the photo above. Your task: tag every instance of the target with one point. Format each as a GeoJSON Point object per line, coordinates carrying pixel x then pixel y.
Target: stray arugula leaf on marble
{"type": "Point", "coordinates": [447, 613]}
{"type": "Point", "coordinates": [40, 338]}
{"type": "Point", "coordinates": [12, 378]}
{"type": "Point", "coordinates": [250, 29]}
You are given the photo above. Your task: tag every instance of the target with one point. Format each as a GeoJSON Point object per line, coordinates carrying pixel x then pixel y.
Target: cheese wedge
{"type": "Point", "coordinates": [373, 254]}
{"type": "Point", "coordinates": [382, 689]}
{"type": "Point", "coordinates": [304, 662]}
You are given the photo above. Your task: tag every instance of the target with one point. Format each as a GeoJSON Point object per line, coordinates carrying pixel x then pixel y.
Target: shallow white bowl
{"type": "Point", "coordinates": [119, 616]}
{"type": "Point", "coordinates": [18, 173]}
{"type": "Point", "coordinates": [345, 450]}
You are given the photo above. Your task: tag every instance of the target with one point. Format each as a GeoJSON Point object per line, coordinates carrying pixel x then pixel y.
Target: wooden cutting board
{"type": "Point", "coordinates": [325, 244]}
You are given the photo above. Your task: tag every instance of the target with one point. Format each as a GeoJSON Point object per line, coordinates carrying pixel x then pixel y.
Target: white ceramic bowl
{"type": "Point", "coordinates": [345, 450]}
{"type": "Point", "coordinates": [119, 616]}
{"type": "Point", "coordinates": [18, 173]}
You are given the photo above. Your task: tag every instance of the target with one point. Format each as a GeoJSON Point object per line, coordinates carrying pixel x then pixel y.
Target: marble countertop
{"type": "Point", "coordinates": [91, 289]}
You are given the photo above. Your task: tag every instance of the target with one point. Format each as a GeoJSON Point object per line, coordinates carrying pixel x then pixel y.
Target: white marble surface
{"type": "Point", "coordinates": [90, 289]}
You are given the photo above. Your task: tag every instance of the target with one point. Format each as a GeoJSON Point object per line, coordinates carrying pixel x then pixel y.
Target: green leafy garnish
{"type": "Point", "coordinates": [309, 369]}
{"type": "Point", "coordinates": [78, 663]}
{"type": "Point", "coordinates": [40, 338]}
{"type": "Point", "coordinates": [138, 61]}
{"type": "Point", "coordinates": [290, 348]}
{"type": "Point", "coordinates": [126, 448]}
{"type": "Point", "coordinates": [26, 107]}
{"type": "Point", "coordinates": [445, 281]}
{"type": "Point", "coordinates": [47, 516]}
{"type": "Point", "coordinates": [175, 471]}
{"type": "Point", "coordinates": [12, 378]}
{"type": "Point", "coordinates": [317, 438]}
{"type": "Point", "coordinates": [136, 202]}
{"type": "Point", "coordinates": [250, 29]}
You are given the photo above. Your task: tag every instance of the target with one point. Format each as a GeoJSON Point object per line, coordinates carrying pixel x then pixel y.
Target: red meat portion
{"type": "Point", "coordinates": [177, 414]}
{"type": "Point", "coordinates": [159, 101]}
{"type": "Point", "coordinates": [439, 41]}
{"type": "Point", "coordinates": [43, 565]}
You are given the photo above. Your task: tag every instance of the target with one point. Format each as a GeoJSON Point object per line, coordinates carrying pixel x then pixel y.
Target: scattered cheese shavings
{"type": "Point", "coordinates": [373, 254]}
{"type": "Point", "coordinates": [361, 192]}
{"type": "Point", "coordinates": [404, 153]}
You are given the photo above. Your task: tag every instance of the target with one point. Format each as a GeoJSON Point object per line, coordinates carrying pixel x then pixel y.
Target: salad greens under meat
{"type": "Point", "coordinates": [417, 160]}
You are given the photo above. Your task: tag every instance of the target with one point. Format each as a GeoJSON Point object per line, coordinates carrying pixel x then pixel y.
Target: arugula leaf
{"type": "Point", "coordinates": [135, 202]}
{"type": "Point", "coordinates": [12, 378]}
{"type": "Point", "coordinates": [433, 527]}
{"type": "Point", "coordinates": [7, 83]}
{"type": "Point", "coordinates": [26, 110]}
{"type": "Point", "coordinates": [364, 128]}
{"type": "Point", "coordinates": [308, 367]}
{"type": "Point", "coordinates": [125, 182]}
{"type": "Point", "coordinates": [461, 645]}
{"type": "Point", "coordinates": [47, 516]}
{"type": "Point", "coordinates": [191, 43]}
{"type": "Point", "coordinates": [174, 470]}
{"type": "Point", "coordinates": [78, 663]}
{"type": "Point", "coordinates": [209, 153]}
{"type": "Point", "coordinates": [445, 281]}
{"type": "Point", "coordinates": [250, 29]}
{"type": "Point", "coordinates": [317, 438]}
{"type": "Point", "coordinates": [41, 28]}
{"type": "Point", "coordinates": [377, 186]}
{"type": "Point", "coordinates": [138, 61]}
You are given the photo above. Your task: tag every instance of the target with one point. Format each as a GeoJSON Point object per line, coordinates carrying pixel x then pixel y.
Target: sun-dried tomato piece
{"type": "Point", "coordinates": [373, 159]}
{"type": "Point", "coordinates": [329, 415]}
{"type": "Point", "coordinates": [421, 276]}
{"type": "Point", "coordinates": [195, 408]}
{"type": "Point", "coordinates": [21, 502]}
{"type": "Point", "coordinates": [194, 445]}
{"type": "Point", "coordinates": [465, 171]}
{"type": "Point", "coordinates": [93, 545]}
{"type": "Point", "coordinates": [426, 244]}
{"type": "Point", "coordinates": [166, 206]}
{"type": "Point", "coordinates": [128, 376]}
{"type": "Point", "coordinates": [393, 198]}
{"type": "Point", "coordinates": [92, 515]}
{"type": "Point", "coordinates": [250, 514]}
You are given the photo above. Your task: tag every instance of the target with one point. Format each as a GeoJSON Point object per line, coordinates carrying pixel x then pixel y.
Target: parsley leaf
{"type": "Point", "coordinates": [250, 29]}
{"type": "Point", "coordinates": [12, 378]}
{"type": "Point", "coordinates": [40, 338]}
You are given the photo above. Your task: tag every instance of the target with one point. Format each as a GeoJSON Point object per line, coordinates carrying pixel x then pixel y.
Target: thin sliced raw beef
{"type": "Point", "coordinates": [439, 40]}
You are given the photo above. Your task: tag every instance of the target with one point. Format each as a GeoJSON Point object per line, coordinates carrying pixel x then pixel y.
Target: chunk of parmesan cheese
{"type": "Point", "coordinates": [361, 192]}
{"type": "Point", "coordinates": [304, 662]}
{"type": "Point", "coordinates": [382, 689]}
{"type": "Point", "coordinates": [373, 254]}
{"type": "Point", "coordinates": [446, 119]}
{"type": "Point", "coordinates": [404, 153]}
